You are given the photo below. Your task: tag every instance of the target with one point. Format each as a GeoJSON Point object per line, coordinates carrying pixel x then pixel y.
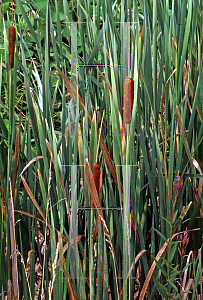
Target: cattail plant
{"type": "Point", "coordinates": [12, 39]}
{"type": "Point", "coordinates": [131, 93]}
{"type": "Point", "coordinates": [96, 174]}
{"type": "Point", "coordinates": [96, 169]}
{"type": "Point", "coordinates": [128, 99]}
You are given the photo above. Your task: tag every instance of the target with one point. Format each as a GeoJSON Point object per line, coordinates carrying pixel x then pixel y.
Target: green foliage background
{"type": "Point", "coordinates": [37, 155]}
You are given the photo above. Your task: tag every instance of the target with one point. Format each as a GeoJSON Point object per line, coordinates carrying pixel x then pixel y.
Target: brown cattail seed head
{"type": "Point", "coordinates": [131, 93]}
{"type": "Point", "coordinates": [12, 39]}
{"type": "Point", "coordinates": [128, 99]}
{"type": "Point", "coordinates": [96, 174]}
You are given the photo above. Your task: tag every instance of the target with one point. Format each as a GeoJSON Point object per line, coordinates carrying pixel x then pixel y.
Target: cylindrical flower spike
{"type": "Point", "coordinates": [128, 99]}
{"type": "Point", "coordinates": [96, 174]}
{"type": "Point", "coordinates": [12, 39]}
{"type": "Point", "coordinates": [131, 93]}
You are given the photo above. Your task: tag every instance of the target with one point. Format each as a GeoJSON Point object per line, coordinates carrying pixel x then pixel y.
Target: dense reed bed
{"type": "Point", "coordinates": [101, 163]}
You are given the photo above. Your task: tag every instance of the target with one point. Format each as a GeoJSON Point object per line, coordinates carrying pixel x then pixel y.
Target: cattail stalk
{"type": "Point", "coordinates": [12, 39]}
{"type": "Point", "coordinates": [96, 169]}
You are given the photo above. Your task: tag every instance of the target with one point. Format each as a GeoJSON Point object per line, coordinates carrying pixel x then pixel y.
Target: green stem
{"type": "Point", "coordinates": [9, 131]}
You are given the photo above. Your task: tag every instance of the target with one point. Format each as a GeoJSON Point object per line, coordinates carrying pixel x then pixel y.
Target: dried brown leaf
{"type": "Point", "coordinates": [136, 260]}
{"type": "Point", "coordinates": [72, 90]}
{"type": "Point", "coordinates": [109, 162]}
{"type": "Point", "coordinates": [32, 160]}
{"type": "Point", "coordinates": [174, 44]}
{"type": "Point", "coordinates": [71, 291]}
{"type": "Point", "coordinates": [107, 81]}
{"type": "Point", "coordinates": [158, 256]}
{"type": "Point", "coordinates": [33, 199]}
